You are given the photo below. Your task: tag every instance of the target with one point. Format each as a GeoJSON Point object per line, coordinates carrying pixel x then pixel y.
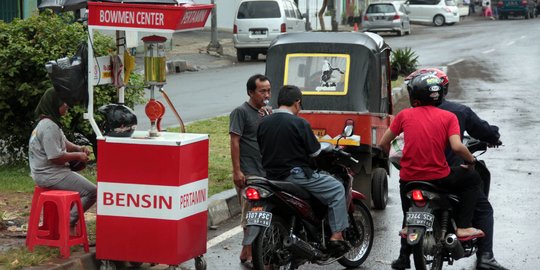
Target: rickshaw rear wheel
{"type": "Point", "coordinates": [379, 188]}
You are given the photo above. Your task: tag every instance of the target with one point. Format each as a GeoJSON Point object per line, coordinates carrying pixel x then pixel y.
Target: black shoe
{"type": "Point", "coordinates": [402, 262]}
{"type": "Point", "coordinates": [486, 261]}
{"type": "Point", "coordinates": [338, 247]}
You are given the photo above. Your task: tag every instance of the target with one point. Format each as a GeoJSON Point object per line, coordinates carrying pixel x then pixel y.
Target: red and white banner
{"type": "Point", "coordinates": [166, 18]}
{"type": "Point", "coordinates": [153, 202]}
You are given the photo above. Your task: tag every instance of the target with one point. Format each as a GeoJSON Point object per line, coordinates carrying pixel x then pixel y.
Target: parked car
{"type": "Point", "coordinates": [259, 22]}
{"type": "Point", "coordinates": [463, 8]}
{"type": "Point", "coordinates": [438, 12]}
{"type": "Point", "coordinates": [525, 8]}
{"type": "Point", "coordinates": [387, 17]}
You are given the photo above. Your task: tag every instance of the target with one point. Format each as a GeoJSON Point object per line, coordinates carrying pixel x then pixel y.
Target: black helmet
{"type": "Point", "coordinates": [425, 89]}
{"type": "Point", "coordinates": [435, 71]}
{"type": "Point", "coordinates": [119, 120]}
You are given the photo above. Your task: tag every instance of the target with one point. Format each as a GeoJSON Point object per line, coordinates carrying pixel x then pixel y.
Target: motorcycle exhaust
{"type": "Point", "coordinates": [301, 248]}
{"type": "Point", "coordinates": [453, 246]}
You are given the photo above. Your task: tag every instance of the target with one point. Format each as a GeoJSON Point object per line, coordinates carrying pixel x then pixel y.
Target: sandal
{"type": "Point", "coordinates": [469, 233]}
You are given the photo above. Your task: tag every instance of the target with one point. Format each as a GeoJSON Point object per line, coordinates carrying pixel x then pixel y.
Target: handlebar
{"type": "Point", "coordinates": [341, 152]}
{"type": "Point", "coordinates": [475, 145]}
{"type": "Point", "coordinates": [329, 148]}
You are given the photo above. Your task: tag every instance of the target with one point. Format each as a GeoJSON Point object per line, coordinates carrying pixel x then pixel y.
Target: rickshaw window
{"type": "Point", "coordinates": [318, 73]}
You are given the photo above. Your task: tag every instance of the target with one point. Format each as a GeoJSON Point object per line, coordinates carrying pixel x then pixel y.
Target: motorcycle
{"type": "Point", "coordinates": [430, 225]}
{"type": "Point", "coordinates": [288, 227]}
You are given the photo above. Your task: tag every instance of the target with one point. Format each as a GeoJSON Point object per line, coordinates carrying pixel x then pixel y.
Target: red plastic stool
{"type": "Point", "coordinates": [56, 206]}
{"type": "Point", "coordinates": [49, 214]}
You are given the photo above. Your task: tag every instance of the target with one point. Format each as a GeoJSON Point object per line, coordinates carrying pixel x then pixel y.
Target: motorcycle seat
{"type": "Point", "coordinates": [280, 185]}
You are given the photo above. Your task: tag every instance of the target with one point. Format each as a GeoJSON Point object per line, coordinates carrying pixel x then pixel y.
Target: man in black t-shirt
{"type": "Point", "coordinates": [287, 142]}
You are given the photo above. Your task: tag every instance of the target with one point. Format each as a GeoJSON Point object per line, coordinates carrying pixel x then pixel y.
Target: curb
{"type": "Point", "coordinates": [221, 207]}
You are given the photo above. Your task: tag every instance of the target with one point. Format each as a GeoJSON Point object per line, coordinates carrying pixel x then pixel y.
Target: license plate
{"type": "Point", "coordinates": [259, 218]}
{"type": "Point", "coordinates": [420, 219]}
{"type": "Point", "coordinates": [258, 32]}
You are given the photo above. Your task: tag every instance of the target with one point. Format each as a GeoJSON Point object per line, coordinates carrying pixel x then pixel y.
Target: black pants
{"type": "Point", "coordinates": [462, 182]}
{"type": "Point", "coordinates": [482, 211]}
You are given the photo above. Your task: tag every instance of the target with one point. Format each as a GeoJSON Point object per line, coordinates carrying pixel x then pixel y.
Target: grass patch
{"type": "Point", "coordinates": [21, 257]}
{"type": "Point", "coordinates": [16, 177]}
{"type": "Point", "coordinates": [220, 166]}
{"type": "Point", "coordinates": [398, 82]}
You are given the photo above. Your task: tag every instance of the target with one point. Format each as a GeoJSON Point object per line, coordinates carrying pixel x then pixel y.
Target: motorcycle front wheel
{"type": "Point", "coordinates": [360, 234]}
{"type": "Point", "coordinates": [428, 253]}
{"type": "Point", "coordinates": [268, 250]}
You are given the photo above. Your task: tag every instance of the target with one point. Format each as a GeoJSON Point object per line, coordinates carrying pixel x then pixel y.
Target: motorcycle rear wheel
{"type": "Point", "coordinates": [360, 234]}
{"type": "Point", "coordinates": [425, 261]}
{"type": "Point", "coordinates": [268, 250]}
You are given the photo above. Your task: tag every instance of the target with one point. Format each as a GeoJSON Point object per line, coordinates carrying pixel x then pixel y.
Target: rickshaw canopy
{"type": "Point", "coordinates": [336, 71]}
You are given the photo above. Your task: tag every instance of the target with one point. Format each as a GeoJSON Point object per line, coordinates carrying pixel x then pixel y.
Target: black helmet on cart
{"type": "Point", "coordinates": [425, 89]}
{"type": "Point", "coordinates": [119, 120]}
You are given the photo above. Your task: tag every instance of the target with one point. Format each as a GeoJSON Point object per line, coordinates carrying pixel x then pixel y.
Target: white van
{"type": "Point", "coordinates": [438, 12]}
{"type": "Point", "coordinates": [259, 22]}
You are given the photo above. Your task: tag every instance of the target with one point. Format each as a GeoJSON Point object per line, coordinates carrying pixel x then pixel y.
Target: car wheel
{"type": "Point", "coordinates": [438, 20]}
{"type": "Point", "coordinates": [240, 55]}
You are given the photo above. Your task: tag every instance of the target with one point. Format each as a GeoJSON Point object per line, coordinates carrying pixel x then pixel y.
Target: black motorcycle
{"type": "Point", "coordinates": [430, 225]}
{"type": "Point", "coordinates": [288, 227]}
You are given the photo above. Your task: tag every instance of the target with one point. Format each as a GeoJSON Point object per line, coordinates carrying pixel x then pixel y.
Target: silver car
{"type": "Point", "coordinates": [387, 17]}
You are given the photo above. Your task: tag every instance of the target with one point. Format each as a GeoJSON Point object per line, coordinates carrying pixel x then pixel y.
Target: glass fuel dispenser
{"type": "Point", "coordinates": [154, 77]}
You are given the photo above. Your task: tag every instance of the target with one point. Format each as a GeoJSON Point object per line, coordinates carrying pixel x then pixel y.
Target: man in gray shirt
{"type": "Point", "coordinates": [245, 154]}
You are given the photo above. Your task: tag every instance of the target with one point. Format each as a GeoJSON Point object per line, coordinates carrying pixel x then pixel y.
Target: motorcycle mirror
{"type": "Point", "coordinates": [348, 130]}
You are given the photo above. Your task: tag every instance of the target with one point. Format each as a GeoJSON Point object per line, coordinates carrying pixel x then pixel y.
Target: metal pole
{"type": "Point", "coordinates": [308, 24]}
{"type": "Point", "coordinates": [214, 43]}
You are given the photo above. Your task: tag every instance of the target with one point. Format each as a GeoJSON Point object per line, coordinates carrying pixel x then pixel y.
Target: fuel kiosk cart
{"type": "Point", "coordinates": [152, 185]}
{"type": "Point", "coordinates": [344, 78]}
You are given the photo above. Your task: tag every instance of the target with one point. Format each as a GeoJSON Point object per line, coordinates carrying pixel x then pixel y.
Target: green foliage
{"type": "Point", "coordinates": [25, 47]}
{"type": "Point", "coordinates": [404, 61]}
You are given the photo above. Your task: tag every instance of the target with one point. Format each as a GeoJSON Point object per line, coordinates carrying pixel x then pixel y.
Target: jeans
{"type": "Point", "coordinates": [327, 190]}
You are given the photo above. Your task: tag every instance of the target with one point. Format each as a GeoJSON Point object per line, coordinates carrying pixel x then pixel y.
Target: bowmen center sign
{"type": "Point", "coordinates": [167, 18]}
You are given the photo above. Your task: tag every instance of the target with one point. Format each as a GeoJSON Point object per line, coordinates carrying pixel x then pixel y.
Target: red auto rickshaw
{"type": "Point", "coordinates": [344, 76]}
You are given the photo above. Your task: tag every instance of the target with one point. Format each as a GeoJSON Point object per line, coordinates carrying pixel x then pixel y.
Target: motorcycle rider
{"type": "Point", "coordinates": [424, 159]}
{"type": "Point", "coordinates": [287, 143]}
{"type": "Point", "coordinates": [483, 214]}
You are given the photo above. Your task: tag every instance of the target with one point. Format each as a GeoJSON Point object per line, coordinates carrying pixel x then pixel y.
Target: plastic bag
{"type": "Point", "coordinates": [396, 150]}
{"type": "Point", "coordinates": [71, 81]}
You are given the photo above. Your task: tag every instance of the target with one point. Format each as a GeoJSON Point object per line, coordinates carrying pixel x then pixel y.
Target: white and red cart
{"type": "Point", "coordinates": [152, 191]}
